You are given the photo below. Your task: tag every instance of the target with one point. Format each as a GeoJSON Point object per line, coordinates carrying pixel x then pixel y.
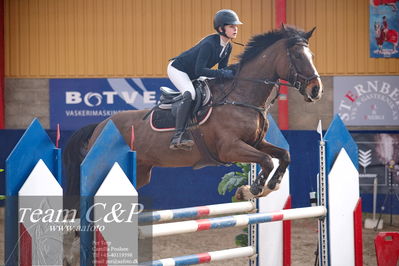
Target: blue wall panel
{"type": "Point", "coordinates": [183, 187]}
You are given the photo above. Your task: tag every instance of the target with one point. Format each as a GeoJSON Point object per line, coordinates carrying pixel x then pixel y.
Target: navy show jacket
{"type": "Point", "coordinates": [198, 60]}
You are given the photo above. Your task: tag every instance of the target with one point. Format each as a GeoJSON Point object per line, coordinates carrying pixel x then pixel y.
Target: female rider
{"type": "Point", "coordinates": [198, 61]}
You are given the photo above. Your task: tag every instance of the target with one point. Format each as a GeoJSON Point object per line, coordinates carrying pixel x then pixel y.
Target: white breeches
{"type": "Point", "coordinates": [181, 80]}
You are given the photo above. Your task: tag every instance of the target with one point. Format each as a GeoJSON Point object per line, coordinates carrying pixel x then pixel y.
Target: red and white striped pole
{"type": "Point", "coordinates": [175, 228]}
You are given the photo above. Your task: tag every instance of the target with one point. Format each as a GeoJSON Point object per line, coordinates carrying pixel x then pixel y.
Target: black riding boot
{"type": "Point", "coordinates": [181, 139]}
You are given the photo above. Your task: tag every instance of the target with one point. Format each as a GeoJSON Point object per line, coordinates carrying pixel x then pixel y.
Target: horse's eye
{"type": "Point", "coordinates": [297, 56]}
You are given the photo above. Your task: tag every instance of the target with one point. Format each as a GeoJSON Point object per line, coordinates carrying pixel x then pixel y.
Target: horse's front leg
{"type": "Point", "coordinates": [240, 151]}
{"type": "Point", "coordinates": [284, 159]}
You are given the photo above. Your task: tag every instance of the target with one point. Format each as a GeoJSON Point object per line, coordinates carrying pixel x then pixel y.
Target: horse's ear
{"type": "Point", "coordinates": [309, 34]}
{"type": "Point", "coordinates": [283, 27]}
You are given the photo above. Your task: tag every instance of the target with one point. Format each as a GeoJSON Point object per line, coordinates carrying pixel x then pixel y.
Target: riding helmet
{"type": "Point", "coordinates": [225, 17]}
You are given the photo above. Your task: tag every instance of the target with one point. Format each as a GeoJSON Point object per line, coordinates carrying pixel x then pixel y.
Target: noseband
{"type": "Point", "coordinates": [295, 78]}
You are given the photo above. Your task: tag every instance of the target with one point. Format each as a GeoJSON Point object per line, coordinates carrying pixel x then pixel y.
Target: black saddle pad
{"type": "Point", "coordinates": [163, 120]}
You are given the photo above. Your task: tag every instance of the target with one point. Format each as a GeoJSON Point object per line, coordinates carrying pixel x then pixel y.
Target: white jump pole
{"type": "Point", "coordinates": [212, 256]}
{"type": "Point", "coordinates": [228, 221]}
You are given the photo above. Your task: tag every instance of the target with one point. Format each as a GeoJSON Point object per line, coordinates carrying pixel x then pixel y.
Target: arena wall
{"type": "Point", "coordinates": [86, 39]}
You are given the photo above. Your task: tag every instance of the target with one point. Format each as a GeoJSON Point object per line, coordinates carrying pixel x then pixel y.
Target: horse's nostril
{"type": "Point", "coordinates": [315, 91]}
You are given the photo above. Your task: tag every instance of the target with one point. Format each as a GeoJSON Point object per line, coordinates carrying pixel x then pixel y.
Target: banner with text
{"type": "Point", "coordinates": [367, 100]}
{"type": "Point", "coordinates": [75, 103]}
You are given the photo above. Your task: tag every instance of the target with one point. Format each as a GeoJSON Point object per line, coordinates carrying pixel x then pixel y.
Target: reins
{"type": "Point", "coordinates": [267, 82]}
{"type": "Point", "coordinates": [261, 110]}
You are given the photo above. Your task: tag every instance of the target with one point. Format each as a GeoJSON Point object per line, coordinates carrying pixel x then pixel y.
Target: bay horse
{"type": "Point", "coordinates": [235, 130]}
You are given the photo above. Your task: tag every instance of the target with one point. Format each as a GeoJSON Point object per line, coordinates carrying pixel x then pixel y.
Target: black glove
{"type": "Point", "coordinates": [227, 73]}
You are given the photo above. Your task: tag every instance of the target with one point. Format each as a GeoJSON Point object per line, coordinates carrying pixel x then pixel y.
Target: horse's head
{"type": "Point", "coordinates": [284, 54]}
{"type": "Point", "coordinates": [301, 71]}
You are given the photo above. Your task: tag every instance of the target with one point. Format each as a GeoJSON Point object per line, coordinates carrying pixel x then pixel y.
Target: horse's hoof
{"type": "Point", "coordinates": [266, 191]}
{"type": "Point", "coordinates": [243, 193]}
{"type": "Point", "coordinates": [273, 185]}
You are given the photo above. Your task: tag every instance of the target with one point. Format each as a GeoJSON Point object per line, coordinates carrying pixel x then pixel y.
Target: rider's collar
{"type": "Point", "coordinates": [223, 43]}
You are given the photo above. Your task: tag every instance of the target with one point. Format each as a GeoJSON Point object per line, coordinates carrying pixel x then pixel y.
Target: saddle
{"type": "Point", "coordinates": [163, 118]}
{"type": "Point", "coordinates": [163, 115]}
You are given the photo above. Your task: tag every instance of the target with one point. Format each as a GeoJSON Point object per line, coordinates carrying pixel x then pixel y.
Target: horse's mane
{"type": "Point", "coordinates": [259, 43]}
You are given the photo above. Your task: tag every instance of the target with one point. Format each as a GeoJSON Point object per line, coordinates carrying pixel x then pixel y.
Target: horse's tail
{"type": "Point", "coordinates": [72, 156]}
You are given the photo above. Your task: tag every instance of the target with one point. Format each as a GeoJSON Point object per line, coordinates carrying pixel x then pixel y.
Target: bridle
{"type": "Point", "coordinates": [295, 78]}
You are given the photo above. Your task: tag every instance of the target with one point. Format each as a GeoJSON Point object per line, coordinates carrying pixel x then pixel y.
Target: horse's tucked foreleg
{"type": "Point", "coordinates": [244, 153]}
{"type": "Point", "coordinates": [284, 160]}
